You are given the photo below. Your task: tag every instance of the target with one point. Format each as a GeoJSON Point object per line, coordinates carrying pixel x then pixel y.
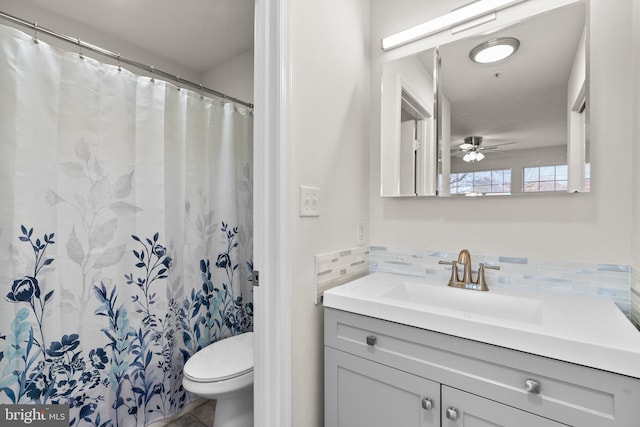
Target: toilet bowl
{"type": "Point", "coordinates": [224, 371]}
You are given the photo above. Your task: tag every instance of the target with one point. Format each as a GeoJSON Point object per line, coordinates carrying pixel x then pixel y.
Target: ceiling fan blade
{"type": "Point", "coordinates": [500, 145]}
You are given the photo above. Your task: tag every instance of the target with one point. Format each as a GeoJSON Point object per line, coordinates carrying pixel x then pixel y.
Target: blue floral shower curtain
{"type": "Point", "coordinates": [125, 233]}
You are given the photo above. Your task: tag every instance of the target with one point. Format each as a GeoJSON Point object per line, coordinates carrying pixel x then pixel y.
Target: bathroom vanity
{"type": "Point", "coordinates": [403, 351]}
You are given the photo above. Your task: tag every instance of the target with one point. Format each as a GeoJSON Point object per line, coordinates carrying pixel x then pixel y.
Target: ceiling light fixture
{"type": "Point", "coordinates": [494, 50]}
{"type": "Point", "coordinates": [472, 147]}
{"type": "Point", "coordinates": [459, 16]}
{"type": "Point", "coordinates": [471, 142]}
{"type": "Point", "coordinates": [473, 156]}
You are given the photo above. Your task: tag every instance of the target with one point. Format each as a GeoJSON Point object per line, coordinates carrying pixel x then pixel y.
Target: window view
{"type": "Point", "coordinates": [587, 177]}
{"type": "Point", "coordinates": [481, 182]}
{"type": "Point", "coordinates": [545, 178]}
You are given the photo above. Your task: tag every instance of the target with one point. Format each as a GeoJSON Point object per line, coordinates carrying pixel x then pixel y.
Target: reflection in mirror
{"type": "Point", "coordinates": [413, 118]}
{"type": "Point", "coordinates": [517, 125]}
{"type": "Point", "coordinates": [408, 166]}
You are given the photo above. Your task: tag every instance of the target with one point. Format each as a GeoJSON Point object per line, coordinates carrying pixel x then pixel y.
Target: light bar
{"type": "Point", "coordinates": [451, 19]}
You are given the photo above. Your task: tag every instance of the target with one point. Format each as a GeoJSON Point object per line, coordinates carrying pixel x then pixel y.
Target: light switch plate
{"type": "Point", "coordinates": [309, 201]}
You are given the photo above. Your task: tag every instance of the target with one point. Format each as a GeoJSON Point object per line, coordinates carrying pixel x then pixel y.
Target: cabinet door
{"type": "Point", "coordinates": [461, 409]}
{"type": "Point", "coordinates": [359, 392]}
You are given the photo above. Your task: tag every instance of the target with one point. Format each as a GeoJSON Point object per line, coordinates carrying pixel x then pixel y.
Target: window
{"type": "Point", "coordinates": [545, 178]}
{"type": "Point", "coordinates": [481, 182]}
{"type": "Point", "coordinates": [587, 177]}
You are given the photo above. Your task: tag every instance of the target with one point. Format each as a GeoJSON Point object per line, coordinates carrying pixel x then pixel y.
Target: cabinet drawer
{"type": "Point", "coordinates": [574, 395]}
{"type": "Point", "coordinates": [461, 409]}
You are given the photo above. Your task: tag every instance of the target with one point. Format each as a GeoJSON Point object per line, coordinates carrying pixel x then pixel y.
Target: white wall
{"type": "Point", "coordinates": [636, 130]}
{"type": "Point", "coordinates": [61, 24]}
{"type": "Point", "coordinates": [635, 226]}
{"type": "Point", "coordinates": [591, 227]}
{"type": "Point", "coordinates": [636, 135]}
{"type": "Point", "coordinates": [234, 77]}
{"type": "Point", "coordinates": [329, 149]}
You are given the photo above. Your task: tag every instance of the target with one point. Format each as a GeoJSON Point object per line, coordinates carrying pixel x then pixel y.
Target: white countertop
{"type": "Point", "coordinates": [586, 331]}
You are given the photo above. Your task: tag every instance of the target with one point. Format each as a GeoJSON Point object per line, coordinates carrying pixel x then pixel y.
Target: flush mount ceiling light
{"type": "Point", "coordinates": [459, 16]}
{"type": "Point", "coordinates": [494, 50]}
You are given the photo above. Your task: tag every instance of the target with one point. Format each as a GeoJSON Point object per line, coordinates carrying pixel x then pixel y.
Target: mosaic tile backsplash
{"type": "Point", "coordinates": [635, 296]}
{"type": "Point", "coordinates": [611, 281]}
{"type": "Point", "coordinates": [337, 268]}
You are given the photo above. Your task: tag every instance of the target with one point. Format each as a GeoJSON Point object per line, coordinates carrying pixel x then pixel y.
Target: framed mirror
{"type": "Point", "coordinates": [517, 125]}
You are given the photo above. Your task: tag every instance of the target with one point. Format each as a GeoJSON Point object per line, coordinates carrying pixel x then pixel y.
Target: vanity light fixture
{"type": "Point", "coordinates": [494, 50]}
{"type": "Point", "coordinates": [459, 16]}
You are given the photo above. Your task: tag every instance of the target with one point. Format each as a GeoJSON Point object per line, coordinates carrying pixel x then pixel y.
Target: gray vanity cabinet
{"type": "Point", "coordinates": [369, 394]}
{"type": "Point", "coordinates": [365, 393]}
{"type": "Point", "coordinates": [380, 373]}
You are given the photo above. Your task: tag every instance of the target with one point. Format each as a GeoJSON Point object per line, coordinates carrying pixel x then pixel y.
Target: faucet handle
{"type": "Point", "coordinates": [454, 270]}
{"type": "Point", "coordinates": [490, 267]}
{"type": "Point", "coordinates": [482, 281]}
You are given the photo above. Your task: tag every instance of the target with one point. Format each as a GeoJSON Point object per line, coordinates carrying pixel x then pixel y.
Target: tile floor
{"type": "Point", "coordinates": [202, 416]}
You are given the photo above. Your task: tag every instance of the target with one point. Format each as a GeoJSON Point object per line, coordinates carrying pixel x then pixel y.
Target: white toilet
{"type": "Point", "coordinates": [224, 371]}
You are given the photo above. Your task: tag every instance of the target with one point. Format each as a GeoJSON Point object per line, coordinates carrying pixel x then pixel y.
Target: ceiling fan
{"type": "Point", "coordinates": [472, 148]}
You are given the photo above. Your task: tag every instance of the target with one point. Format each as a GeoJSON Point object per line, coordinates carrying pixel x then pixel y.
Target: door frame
{"type": "Point", "coordinates": [272, 298]}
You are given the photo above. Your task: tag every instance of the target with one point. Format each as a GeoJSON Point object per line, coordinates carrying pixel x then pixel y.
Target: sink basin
{"type": "Point", "coordinates": [466, 303]}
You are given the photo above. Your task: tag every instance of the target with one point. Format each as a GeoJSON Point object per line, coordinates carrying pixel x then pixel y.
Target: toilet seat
{"type": "Point", "coordinates": [222, 360]}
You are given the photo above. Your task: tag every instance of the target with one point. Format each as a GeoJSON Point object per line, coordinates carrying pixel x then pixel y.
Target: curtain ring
{"type": "Point", "coordinates": [201, 89]}
{"type": "Point", "coordinates": [80, 49]}
{"type": "Point", "coordinates": [178, 81]}
{"type": "Point", "coordinates": [151, 70]}
{"type": "Point", "coordinates": [35, 33]}
{"type": "Point", "coordinates": [119, 65]}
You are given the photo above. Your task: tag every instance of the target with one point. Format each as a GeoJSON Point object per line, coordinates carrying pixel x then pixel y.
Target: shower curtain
{"type": "Point", "coordinates": [125, 233]}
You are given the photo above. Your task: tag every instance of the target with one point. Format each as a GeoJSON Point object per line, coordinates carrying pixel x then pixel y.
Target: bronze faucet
{"type": "Point", "coordinates": [467, 282]}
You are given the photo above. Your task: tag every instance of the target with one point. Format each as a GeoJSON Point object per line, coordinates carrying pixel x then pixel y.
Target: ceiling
{"type": "Point", "coordinates": [197, 34]}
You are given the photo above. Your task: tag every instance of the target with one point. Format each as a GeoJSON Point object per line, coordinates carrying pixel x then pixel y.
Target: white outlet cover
{"type": "Point", "coordinates": [361, 233]}
{"type": "Point", "coordinates": [309, 201]}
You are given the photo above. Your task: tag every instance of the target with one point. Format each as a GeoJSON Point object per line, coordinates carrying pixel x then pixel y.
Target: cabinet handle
{"type": "Point", "coordinates": [427, 404]}
{"type": "Point", "coordinates": [532, 386]}
{"type": "Point", "coordinates": [371, 340]}
{"type": "Point", "coordinates": [452, 414]}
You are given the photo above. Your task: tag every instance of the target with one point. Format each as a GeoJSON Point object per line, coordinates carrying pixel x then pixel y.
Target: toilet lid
{"type": "Point", "coordinates": [224, 359]}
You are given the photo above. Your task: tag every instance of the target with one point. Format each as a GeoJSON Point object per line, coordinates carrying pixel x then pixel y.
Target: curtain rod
{"type": "Point", "coordinates": [121, 59]}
